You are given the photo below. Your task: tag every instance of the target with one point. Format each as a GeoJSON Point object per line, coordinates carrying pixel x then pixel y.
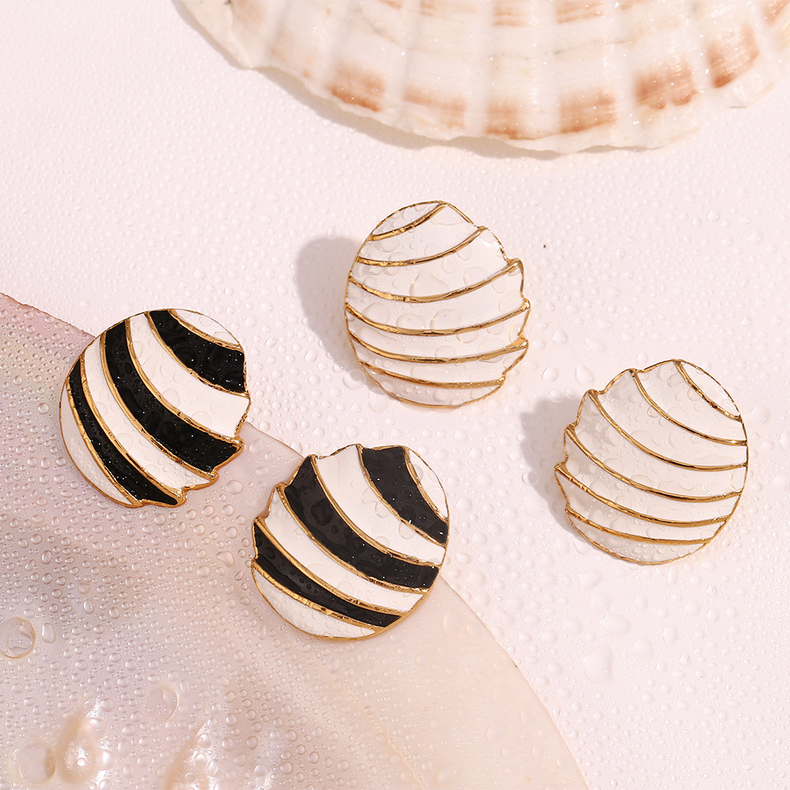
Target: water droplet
{"type": "Point", "coordinates": [162, 702]}
{"type": "Point", "coordinates": [446, 775]}
{"type": "Point", "coordinates": [78, 751]}
{"type": "Point", "coordinates": [235, 487]}
{"type": "Point", "coordinates": [226, 558]}
{"type": "Point", "coordinates": [34, 762]}
{"type": "Point", "coordinates": [17, 637]}
{"type": "Point", "coordinates": [597, 665]}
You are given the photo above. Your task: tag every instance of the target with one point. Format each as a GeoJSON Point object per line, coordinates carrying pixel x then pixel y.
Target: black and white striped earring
{"type": "Point", "coordinates": [153, 406]}
{"type": "Point", "coordinates": [346, 548]}
{"type": "Point", "coordinates": [353, 542]}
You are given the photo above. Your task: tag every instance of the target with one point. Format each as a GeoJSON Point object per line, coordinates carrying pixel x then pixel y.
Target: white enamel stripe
{"type": "Point", "coordinates": [489, 339]}
{"type": "Point", "coordinates": [612, 518]}
{"type": "Point", "coordinates": [139, 448]}
{"type": "Point", "coordinates": [605, 443]}
{"type": "Point", "coordinates": [218, 411]}
{"type": "Point", "coordinates": [407, 216]}
{"type": "Point", "coordinates": [498, 298]}
{"type": "Point", "coordinates": [710, 390]}
{"type": "Point", "coordinates": [476, 370]}
{"type": "Point", "coordinates": [476, 262]}
{"type": "Point", "coordinates": [430, 395]}
{"type": "Point", "coordinates": [207, 326]}
{"type": "Point", "coordinates": [429, 484]}
{"type": "Point", "coordinates": [636, 551]}
{"type": "Point", "coordinates": [633, 414]}
{"type": "Point", "coordinates": [343, 478]}
{"type": "Point", "coordinates": [668, 389]}
{"type": "Point", "coordinates": [587, 472]}
{"type": "Point", "coordinates": [443, 231]}
{"type": "Point", "coordinates": [300, 546]}
{"type": "Point", "coordinates": [304, 617]}
{"type": "Point", "coordinates": [82, 456]}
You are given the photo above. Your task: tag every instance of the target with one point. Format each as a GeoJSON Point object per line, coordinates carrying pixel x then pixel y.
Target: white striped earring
{"type": "Point", "coordinates": [435, 310]}
{"type": "Point", "coordinates": [153, 406]}
{"type": "Point", "coordinates": [655, 463]}
{"type": "Point", "coordinates": [353, 542]}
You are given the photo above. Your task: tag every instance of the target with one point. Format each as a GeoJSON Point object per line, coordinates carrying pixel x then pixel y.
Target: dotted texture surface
{"type": "Point", "coordinates": [136, 652]}
{"type": "Point", "coordinates": [142, 170]}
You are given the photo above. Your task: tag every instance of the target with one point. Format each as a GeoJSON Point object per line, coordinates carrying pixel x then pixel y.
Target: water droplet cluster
{"type": "Point", "coordinates": [136, 651]}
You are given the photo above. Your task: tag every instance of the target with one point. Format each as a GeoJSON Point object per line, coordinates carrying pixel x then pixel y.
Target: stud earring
{"type": "Point", "coordinates": [353, 542]}
{"type": "Point", "coordinates": [435, 310]}
{"type": "Point", "coordinates": [655, 463]}
{"type": "Point", "coordinates": [153, 406]}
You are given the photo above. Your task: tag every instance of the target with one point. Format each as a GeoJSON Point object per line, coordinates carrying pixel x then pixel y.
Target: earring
{"type": "Point", "coordinates": [153, 406]}
{"type": "Point", "coordinates": [435, 310]}
{"type": "Point", "coordinates": [347, 547]}
{"type": "Point", "coordinates": [655, 463]}
{"type": "Point", "coordinates": [353, 542]}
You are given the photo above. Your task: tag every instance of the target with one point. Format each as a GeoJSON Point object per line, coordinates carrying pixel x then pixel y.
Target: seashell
{"type": "Point", "coordinates": [655, 463]}
{"type": "Point", "coordinates": [111, 616]}
{"type": "Point", "coordinates": [563, 75]}
{"type": "Point", "coordinates": [353, 542]}
{"type": "Point", "coordinates": [153, 406]}
{"type": "Point", "coordinates": [434, 308]}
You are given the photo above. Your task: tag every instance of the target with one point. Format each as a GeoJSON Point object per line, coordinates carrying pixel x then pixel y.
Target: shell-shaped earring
{"type": "Point", "coordinates": [153, 406]}
{"type": "Point", "coordinates": [655, 463]}
{"type": "Point", "coordinates": [435, 310]}
{"type": "Point", "coordinates": [353, 542]}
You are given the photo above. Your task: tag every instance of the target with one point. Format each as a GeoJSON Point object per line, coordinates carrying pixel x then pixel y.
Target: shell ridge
{"type": "Point", "coordinates": [680, 365]}
{"type": "Point", "coordinates": [646, 395]}
{"type": "Point", "coordinates": [438, 297]}
{"type": "Point", "coordinates": [718, 468]}
{"type": "Point", "coordinates": [427, 258]}
{"type": "Point", "coordinates": [562, 470]}
{"type": "Point", "coordinates": [635, 538]}
{"type": "Point", "coordinates": [571, 433]}
{"type": "Point", "coordinates": [437, 206]}
{"type": "Point", "coordinates": [397, 330]}
{"type": "Point", "coordinates": [520, 343]}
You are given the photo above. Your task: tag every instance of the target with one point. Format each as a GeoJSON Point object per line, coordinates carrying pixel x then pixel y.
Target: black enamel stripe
{"type": "Point", "coordinates": [389, 473]}
{"type": "Point", "coordinates": [312, 507]}
{"type": "Point", "coordinates": [185, 441]}
{"type": "Point", "coordinates": [124, 473]}
{"type": "Point", "coordinates": [282, 570]}
{"type": "Point", "coordinates": [217, 364]}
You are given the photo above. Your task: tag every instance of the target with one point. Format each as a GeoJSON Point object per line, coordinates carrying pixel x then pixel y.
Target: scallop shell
{"type": "Point", "coordinates": [435, 310]}
{"type": "Point", "coordinates": [153, 406]}
{"type": "Point", "coordinates": [655, 463]}
{"type": "Point", "coordinates": [353, 542]}
{"type": "Point", "coordinates": [558, 74]}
